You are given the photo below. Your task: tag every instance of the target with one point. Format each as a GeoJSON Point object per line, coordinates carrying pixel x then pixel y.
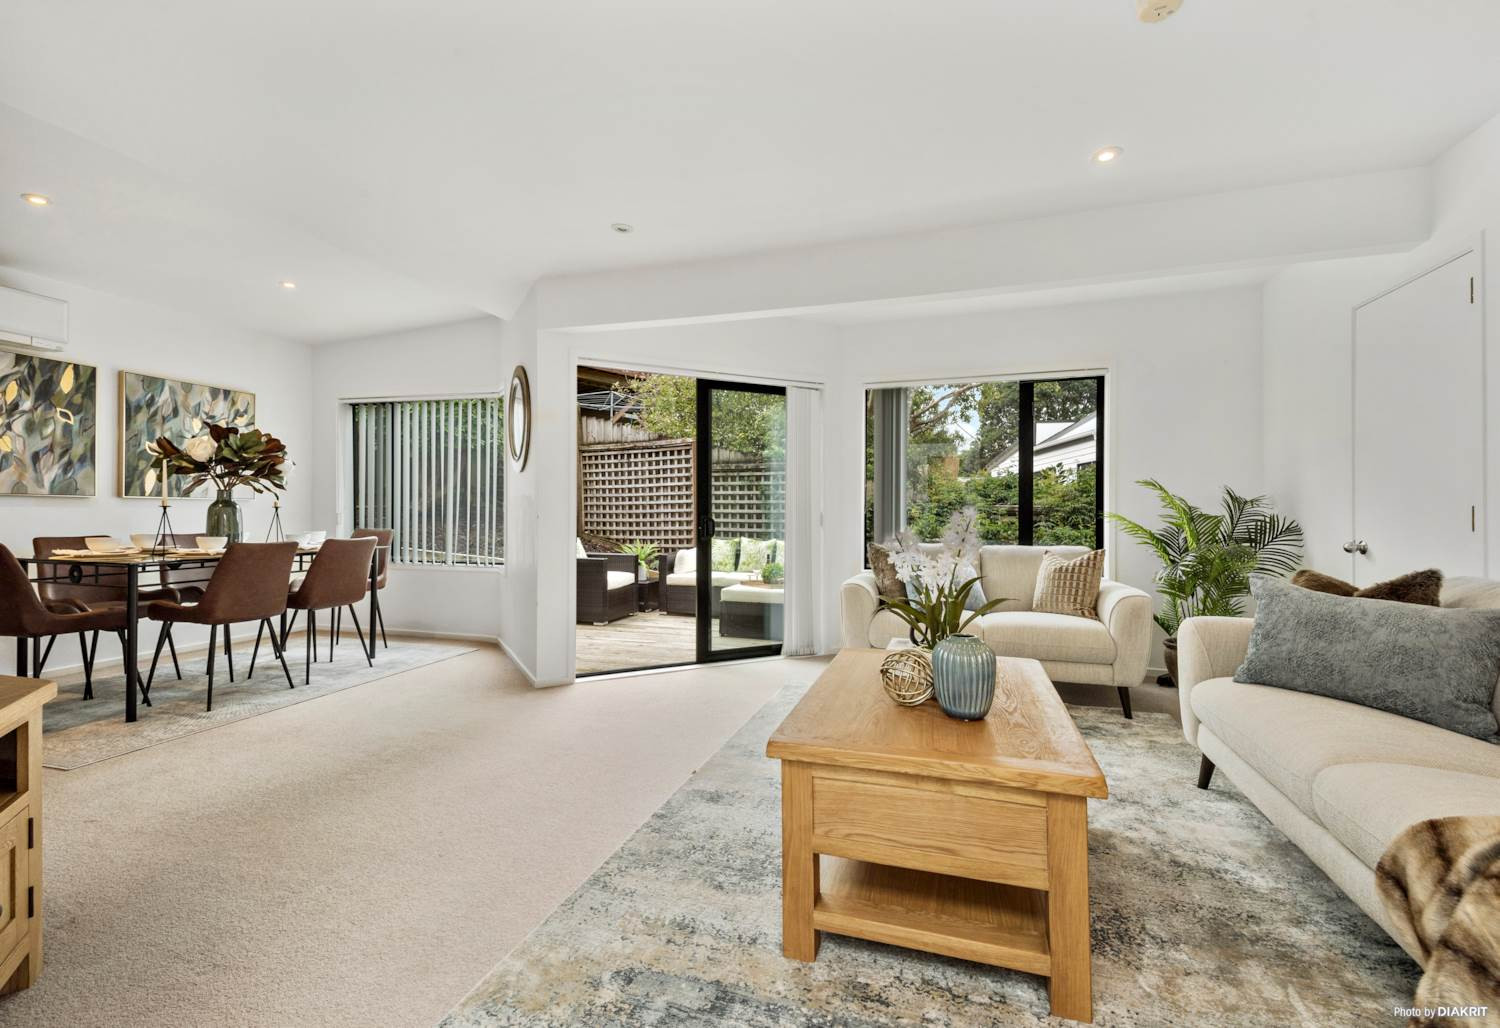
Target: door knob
{"type": "Point", "coordinates": [1356, 546]}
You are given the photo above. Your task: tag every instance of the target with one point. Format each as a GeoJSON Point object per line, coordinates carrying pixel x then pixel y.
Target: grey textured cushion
{"type": "Point", "coordinates": [1427, 663]}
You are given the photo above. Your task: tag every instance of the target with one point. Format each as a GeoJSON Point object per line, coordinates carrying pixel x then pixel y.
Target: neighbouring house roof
{"type": "Point", "coordinates": [1065, 445]}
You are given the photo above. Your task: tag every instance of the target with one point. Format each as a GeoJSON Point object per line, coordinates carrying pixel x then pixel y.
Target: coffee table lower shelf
{"type": "Point", "coordinates": [1003, 925]}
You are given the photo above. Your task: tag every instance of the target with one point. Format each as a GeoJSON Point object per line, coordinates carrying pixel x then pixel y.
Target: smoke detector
{"type": "Point", "coordinates": [1156, 10]}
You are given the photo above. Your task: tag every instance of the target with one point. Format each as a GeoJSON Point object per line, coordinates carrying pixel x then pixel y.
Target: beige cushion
{"type": "Point", "coordinates": [1043, 636]}
{"type": "Point", "coordinates": [685, 562]}
{"type": "Point", "coordinates": [1010, 572]}
{"type": "Point", "coordinates": [1069, 585]}
{"type": "Point", "coordinates": [612, 580]}
{"type": "Point", "coordinates": [1290, 737]}
{"type": "Point", "coordinates": [885, 626]}
{"type": "Point", "coordinates": [1367, 805]}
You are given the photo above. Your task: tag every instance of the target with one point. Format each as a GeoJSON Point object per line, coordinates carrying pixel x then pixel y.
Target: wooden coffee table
{"type": "Point", "coordinates": [970, 839]}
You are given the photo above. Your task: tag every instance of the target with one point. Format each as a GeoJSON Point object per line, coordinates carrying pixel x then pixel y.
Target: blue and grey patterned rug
{"type": "Point", "coordinates": [1203, 915]}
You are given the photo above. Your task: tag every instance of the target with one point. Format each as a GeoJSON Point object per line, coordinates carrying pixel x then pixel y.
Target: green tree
{"type": "Point", "coordinates": [749, 423]}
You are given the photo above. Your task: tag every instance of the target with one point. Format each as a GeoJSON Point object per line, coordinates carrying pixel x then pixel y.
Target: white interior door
{"type": "Point", "coordinates": [1419, 462]}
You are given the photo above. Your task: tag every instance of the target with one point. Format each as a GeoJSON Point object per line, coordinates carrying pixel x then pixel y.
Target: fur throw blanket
{"type": "Point", "coordinates": [1440, 881]}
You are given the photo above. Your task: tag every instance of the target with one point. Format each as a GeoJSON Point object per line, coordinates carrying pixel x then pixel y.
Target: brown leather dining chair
{"type": "Point", "coordinates": [96, 590]}
{"type": "Point", "coordinates": [249, 584]}
{"type": "Point", "coordinates": [338, 579]}
{"type": "Point", "coordinates": [24, 616]}
{"type": "Point", "coordinates": [382, 537]}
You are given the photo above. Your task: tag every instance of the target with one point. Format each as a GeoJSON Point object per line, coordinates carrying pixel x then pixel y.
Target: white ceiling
{"type": "Point", "coordinates": [410, 162]}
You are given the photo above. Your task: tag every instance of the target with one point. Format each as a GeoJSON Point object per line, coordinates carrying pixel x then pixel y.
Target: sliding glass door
{"type": "Point", "coordinates": [741, 491]}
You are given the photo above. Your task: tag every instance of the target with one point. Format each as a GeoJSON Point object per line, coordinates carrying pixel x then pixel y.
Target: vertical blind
{"type": "Point", "coordinates": [432, 471]}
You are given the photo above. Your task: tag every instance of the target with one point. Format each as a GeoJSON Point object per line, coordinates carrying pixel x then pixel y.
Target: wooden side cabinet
{"type": "Point", "coordinates": [21, 702]}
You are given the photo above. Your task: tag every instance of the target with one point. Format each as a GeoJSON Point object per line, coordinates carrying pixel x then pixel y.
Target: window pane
{"type": "Point", "coordinates": [432, 471]}
{"type": "Point", "coordinates": [959, 445]}
{"type": "Point", "coordinates": [1064, 457]}
{"type": "Point", "coordinates": [960, 452]}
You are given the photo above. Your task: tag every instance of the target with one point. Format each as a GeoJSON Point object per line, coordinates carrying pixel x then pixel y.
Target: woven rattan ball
{"type": "Point", "coordinates": [907, 675]}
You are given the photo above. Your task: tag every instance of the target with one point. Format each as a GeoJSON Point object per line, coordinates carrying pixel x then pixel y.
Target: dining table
{"type": "Point", "coordinates": [108, 568]}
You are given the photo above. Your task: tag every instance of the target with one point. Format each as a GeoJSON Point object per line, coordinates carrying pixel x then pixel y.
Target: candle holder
{"type": "Point", "coordinates": [275, 534]}
{"type": "Point", "coordinates": [163, 542]}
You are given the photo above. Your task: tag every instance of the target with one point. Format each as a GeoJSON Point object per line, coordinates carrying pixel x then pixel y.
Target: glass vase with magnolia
{"type": "Point", "coordinates": [228, 457]}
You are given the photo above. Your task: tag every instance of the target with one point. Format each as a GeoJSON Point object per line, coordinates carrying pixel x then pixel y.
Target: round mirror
{"type": "Point", "coordinates": [518, 426]}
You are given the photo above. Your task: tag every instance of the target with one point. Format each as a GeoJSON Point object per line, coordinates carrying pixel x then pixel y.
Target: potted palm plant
{"type": "Point", "coordinates": [1207, 558]}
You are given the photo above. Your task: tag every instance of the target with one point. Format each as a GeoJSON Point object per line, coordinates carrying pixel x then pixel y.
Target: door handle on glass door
{"type": "Point", "coordinates": [1356, 546]}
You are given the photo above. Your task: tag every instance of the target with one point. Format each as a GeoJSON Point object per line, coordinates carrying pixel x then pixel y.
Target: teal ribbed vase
{"type": "Point", "coordinates": [963, 677]}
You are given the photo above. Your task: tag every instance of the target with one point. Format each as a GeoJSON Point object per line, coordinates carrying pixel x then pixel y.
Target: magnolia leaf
{"type": "Point", "coordinates": [65, 415]}
{"type": "Point", "coordinates": [5, 444]}
{"type": "Point", "coordinates": [66, 384]}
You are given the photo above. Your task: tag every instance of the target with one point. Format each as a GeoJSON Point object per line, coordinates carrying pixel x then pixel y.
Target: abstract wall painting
{"type": "Point", "coordinates": [48, 426]}
{"type": "Point", "coordinates": [151, 406]}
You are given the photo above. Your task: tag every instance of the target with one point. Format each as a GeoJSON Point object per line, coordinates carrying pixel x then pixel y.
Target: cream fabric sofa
{"type": "Point", "coordinates": [1339, 779]}
{"type": "Point", "coordinates": [1110, 651]}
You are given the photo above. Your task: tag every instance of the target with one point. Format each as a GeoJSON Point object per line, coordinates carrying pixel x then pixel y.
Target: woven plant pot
{"type": "Point", "coordinates": [907, 675]}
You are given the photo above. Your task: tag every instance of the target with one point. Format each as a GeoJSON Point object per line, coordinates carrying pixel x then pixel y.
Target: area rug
{"type": "Point", "coordinates": [1203, 915]}
{"type": "Point", "coordinates": [78, 732]}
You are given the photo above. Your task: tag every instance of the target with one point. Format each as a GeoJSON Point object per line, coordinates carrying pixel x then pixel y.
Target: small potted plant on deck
{"type": "Point", "coordinates": [646, 554]}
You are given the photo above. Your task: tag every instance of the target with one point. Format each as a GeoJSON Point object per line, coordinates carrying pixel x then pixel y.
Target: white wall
{"type": "Point", "coordinates": [116, 334]}
{"type": "Point", "coordinates": [1308, 339]}
{"type": "Point", "coordinates": [1183, 381]}
{"type": "Point", "coordinates": [463, 357]}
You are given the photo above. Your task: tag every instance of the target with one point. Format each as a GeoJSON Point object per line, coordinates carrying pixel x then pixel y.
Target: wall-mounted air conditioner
{"type": "Point", "coordinates": [32, 322]}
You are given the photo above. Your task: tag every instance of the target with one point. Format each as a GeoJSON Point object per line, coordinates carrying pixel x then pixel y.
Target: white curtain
{"type": "Point", "coordinates": [804, 519]}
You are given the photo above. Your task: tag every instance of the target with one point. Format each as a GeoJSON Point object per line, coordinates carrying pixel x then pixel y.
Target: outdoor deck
{"type": "Point", "coordinates": [647, 639]}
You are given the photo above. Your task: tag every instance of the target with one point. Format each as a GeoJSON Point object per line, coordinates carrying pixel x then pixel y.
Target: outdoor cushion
{"type": "Point", "coordinates": [1366, 806]}
{"type": "Point", "coordinates": [718, 578]}
{"type": "Point", "coordinates": [1289, 737]}
{"type": "Point", "coordinates": [581, 551]}
{"type": "Point", "coordinates": [755, 554]}
{"type": "Point", "coordinates": [686, 561]}
{"type": "Point", "coordinates": [752, 594]}
{"type": "Point", "coordinates": [722, 554]}
{"type": "Point", "coordinates": [618, 579]}
{"type": "Point", "coordinates": [1042, 636]}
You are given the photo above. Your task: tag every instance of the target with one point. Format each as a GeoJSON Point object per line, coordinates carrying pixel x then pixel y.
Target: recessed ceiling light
{"type": "Point", "coordinates": [289, 285]}
{"type": "Point", "coordinates": [622, 228]}
{"type": "Point", "coordinates": [1107, 155]}
{"type": "Point", "coordinates": [37, 199]}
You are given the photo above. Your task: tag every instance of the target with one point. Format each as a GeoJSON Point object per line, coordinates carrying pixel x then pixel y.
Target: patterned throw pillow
{"type": "Point", "coordinates": [722, 554]}
{"type": "Point", "coordinates": [755, 554]}
{"type": "Point", "coordinates": [886, 583]}
{"type": "Point", "coordinates": [1069, 585]}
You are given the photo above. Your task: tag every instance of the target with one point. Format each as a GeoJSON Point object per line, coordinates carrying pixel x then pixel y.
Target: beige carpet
{"type": "Point", "coordinates": [361, 859]}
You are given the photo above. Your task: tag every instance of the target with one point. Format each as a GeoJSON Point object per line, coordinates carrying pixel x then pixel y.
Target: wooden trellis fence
{"type": "Point", "coordinates": [643, 491]}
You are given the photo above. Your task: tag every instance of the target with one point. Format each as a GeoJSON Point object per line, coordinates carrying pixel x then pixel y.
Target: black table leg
{"type": "Point", "coordinates": [132, 636]}
{"type": "Point", "coordinates": [23, 654]}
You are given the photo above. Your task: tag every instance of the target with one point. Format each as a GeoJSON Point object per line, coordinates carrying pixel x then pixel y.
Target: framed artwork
{"type": "Point", "coordinates": [151, 406]}
{"type": "Point", "coordinates": [48, 426]}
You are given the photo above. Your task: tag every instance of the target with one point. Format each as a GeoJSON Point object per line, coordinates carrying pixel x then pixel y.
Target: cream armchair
{"type": "Point", "coordinates": [1110, 652]}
